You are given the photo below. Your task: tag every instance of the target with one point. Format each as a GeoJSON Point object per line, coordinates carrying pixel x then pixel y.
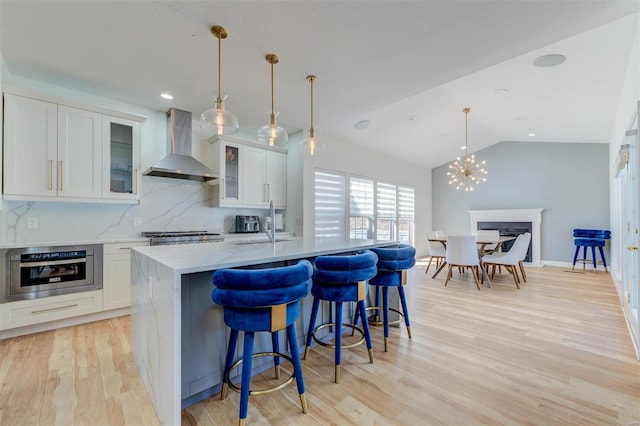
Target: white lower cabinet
{"type": "Point", "coordinates": [116, 284]}
{"type": "Point", "coordinates": [35, 311]}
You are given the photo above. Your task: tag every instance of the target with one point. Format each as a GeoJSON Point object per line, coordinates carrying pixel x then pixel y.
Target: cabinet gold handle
{"type": "Point", "coordinates": [135, 181]}
{"type": "Point", "coordinates": [125, 248]}
{"type": "Point", "coordinates": [39, 311]}
{"type": "Point", "coordinates": [224, 189]}
{"type": "Point", "coordinates": [61, 175]}
{"type": "Point", "coordinates": [268, 192]}
{"type": "Point", "coordinates": [633, 248]}
{"type": "Point", "coordinates": [50, 175]}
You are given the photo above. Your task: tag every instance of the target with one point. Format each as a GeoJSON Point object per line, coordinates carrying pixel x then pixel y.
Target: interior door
{"type": "Point", "coordinates": [630, 255]}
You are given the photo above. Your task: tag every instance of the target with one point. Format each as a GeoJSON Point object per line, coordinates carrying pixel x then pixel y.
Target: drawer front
{"type": "Point", "coordinates": [29, 312]}
{"type": "Point", "coordinates": [115, 248]}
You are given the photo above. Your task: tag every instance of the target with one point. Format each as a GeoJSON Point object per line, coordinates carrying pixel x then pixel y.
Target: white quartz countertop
{"type": "Point", "coordinates": [190, 258]}
{"type": "Point", "coordinates": [71, 242]}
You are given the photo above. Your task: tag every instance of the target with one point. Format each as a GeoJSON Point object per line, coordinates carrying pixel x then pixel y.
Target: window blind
{"type": "Point", "coordinates": [361, 197]}
{"type": "Point", "coordinates": [385, 201]}
{"type": "Point", "coordinates": [406, 202]}
{"type": "Point", "coordinates": [330, 205]}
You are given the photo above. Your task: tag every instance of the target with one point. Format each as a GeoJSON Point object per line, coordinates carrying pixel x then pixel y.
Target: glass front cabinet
{"type": "Point", "coordinates": [121, 154]}
{"type": "Point", "coordinates": [250, 174]}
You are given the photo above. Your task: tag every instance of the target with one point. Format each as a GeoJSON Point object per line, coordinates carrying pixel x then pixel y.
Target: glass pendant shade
{"type": "Point", "coordinates": [312, 144]}
{"type": "Point", "coordinates": [217, 120]}
{"type": "Point", "coordinates": [464, 173]}
{"type": "Point", "coordinates": [272, 134]}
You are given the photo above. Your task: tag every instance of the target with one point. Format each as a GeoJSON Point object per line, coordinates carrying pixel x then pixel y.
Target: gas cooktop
{"type": "Point", "coordinates": [181, 237]}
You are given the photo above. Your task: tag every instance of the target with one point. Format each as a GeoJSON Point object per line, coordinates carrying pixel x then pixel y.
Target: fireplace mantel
{"type": "Point", "coordinates": [513, 215]}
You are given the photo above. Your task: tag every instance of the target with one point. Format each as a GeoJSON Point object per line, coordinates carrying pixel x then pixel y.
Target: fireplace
{"type": "Point", "coordinates": [519, 218]}
{"type": "Point", "coordinates": [509, 229]}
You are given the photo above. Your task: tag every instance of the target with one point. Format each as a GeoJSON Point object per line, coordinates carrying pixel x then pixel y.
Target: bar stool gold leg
{"type": "Point", "coordinates": [370, 356]}
{"type": "Point", "coordinates": [337, 373]}
{"type": "Point", "coordinates": [386, 344]}
{"type": "Point", "coordinates": [303, 402]}
{"type": "Point", "coordinates": [409, 331]}
{"type": "Point", "coordinates": [223, 393]}
{"type": "Point", "coordinates": [306, 352]}
{"type": "Point", "coordinates": [242, 422]}
{"type": "Point", "coordinates": [277, 368]}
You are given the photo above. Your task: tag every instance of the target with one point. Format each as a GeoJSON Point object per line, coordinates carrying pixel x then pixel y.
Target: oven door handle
{"type": "Point", "coordinates": [52, 262]}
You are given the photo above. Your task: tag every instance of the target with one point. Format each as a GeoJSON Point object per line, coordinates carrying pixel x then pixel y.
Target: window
{"type": "Point", "coordinates": [406, 211]}
{"type": "Point", "coordinates": [361, 209]}
{"type": "Point", "coordinates": [330, 209]}
{"type": "Point", "coordinates": [385, 211]}
{"type": "Point", "coordinates": [375, 210]}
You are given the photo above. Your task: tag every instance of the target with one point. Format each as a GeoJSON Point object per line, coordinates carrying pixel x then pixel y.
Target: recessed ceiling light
{"type": "Point", "coordinates": [549, 60]}
{"type": "Point", "coordinates": [411, 117]}
{"type": "Point", "coordinates": [362, 124]}
{"type": "Point", "coordinates": [532, 134]}
{"type": "Point", "coordinates": [166, 96]}
{"type": "Point", "coordinates": [501, 91]}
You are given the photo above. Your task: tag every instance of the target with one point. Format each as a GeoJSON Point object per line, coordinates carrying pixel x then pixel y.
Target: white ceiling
{"type": "Point", "coordinates": [375, 60]}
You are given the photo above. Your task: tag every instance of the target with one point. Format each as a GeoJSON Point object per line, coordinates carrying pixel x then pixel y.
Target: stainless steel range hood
{"type": "Point", "coordinates": [179, 163]}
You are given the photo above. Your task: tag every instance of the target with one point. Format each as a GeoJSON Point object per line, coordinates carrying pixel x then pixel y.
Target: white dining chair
{"type": "Point", "coordinates": [436, 250]}
{"type": "Point", "coordinates": [512, 259]}
{"type": "Point", "coordinates": [489, 235]}
{"type": "Point", "coordinates": [462, 251]}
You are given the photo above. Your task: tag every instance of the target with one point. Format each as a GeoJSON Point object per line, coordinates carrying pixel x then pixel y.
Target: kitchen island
{"type": "Point", "coordinates": [178, 335]}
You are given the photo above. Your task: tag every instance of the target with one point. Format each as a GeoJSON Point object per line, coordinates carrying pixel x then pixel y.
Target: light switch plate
{"type": "Point", "coordinates": [32, 222]}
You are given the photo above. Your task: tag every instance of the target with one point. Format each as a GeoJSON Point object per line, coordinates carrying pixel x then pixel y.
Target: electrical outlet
{"type": "Point", "coordinates": [32, 222]}
{"type": "Point", "coordinates": [137, 221]}
{"type": "Point", "coordinates": [627, 296]}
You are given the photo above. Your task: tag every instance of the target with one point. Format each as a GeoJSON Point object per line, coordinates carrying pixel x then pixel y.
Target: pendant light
{"type": "Point", "coordinates": [272, 134]}
{"type": "Point", "coordinates": [465, 173]}
{"type": "Point", "coordinates": [217, 120]}
{"type": "Point", "coordinates": [311, 145]}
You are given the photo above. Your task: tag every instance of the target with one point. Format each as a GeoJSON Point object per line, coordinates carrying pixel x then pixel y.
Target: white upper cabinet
{"type": "Point", "coordinates": [79, 153]}
{"type": "Point", "coordinates": [54, 151]}
{"type": "Point", "coordinates": [276, 178]}
{"type": "Point", "coordinates": [251, 175]}
{"type": "Point", "coordinates": [30, 147]}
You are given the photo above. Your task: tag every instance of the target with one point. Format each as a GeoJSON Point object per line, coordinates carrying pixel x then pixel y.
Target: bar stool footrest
{"type": "Point", "coordinates": [274, 388]}
{"type": "Point", "coordinates": [333, 324]}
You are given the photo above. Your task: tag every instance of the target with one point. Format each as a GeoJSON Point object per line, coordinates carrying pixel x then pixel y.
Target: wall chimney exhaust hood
{"type": "Point", "coordinates": [179, 163]}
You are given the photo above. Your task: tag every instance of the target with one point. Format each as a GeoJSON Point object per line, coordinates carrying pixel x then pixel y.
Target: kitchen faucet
{"type": "Point", "coordinates": [271, 232]}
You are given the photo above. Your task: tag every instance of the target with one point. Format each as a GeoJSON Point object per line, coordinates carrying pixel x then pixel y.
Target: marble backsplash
{"type": "Point", "coordinates": [166, 205]}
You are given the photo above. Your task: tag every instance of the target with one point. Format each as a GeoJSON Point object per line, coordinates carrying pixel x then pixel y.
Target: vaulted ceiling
{"type": "Point", "coordinates": [408, 67]}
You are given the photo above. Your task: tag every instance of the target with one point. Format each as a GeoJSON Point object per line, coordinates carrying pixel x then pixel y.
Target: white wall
{"type": "Point", "coordinates": [361, 161]}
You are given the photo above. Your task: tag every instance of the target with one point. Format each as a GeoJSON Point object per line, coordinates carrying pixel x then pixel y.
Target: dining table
{"type": "Point", "coordinates": [482, 244]}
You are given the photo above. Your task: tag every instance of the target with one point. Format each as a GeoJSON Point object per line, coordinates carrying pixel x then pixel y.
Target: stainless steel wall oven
{"type": "Point", "coordinates": [36, 272]}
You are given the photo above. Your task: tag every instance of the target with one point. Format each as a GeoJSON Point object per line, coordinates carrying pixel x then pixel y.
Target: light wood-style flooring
{"type": "Point", "coordinates": [555, 352]}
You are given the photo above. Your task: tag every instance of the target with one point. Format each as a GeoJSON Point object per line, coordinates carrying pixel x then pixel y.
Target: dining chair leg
{"type": "Point", "coordinates": [474, 270]}
{"type": "Point", "coordinates": [514, 272]}
{"type": "Point", "coordinates": [493, 271]}
{"type": "Point", "coordinates": [524, 274]}
{"type": "Point", "coordinates": [429, 264]}
{"type": "Point", "coordinates": [448, 275]}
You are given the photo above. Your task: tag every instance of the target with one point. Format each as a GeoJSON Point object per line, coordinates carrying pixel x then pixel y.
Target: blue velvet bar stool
{"type": "Point", "coordinates": [261, 300]}
{"type": "Point", "coordinates": [338, 279]}
{"type": "Point", "coordinates": [593, 238]}
{"type": "Point", "coordinates": [393, 263]}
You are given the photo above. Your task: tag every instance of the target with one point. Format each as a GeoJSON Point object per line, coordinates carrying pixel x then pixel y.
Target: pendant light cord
{"type": "Point", "coordinates": [219, 66]}
{"type": "Point", "coordinates": [272, 108]}
{"type": "Point", "coordinates": [311, 81]}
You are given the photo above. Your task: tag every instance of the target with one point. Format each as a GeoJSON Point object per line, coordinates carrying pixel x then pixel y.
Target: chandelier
{"type": "Point", "coordinates": [465, 172]}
